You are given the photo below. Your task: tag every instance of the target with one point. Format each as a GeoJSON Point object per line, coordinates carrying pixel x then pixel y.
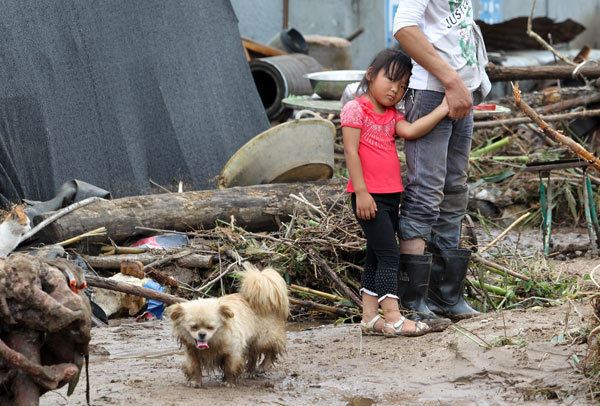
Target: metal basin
{"type": "Point", "coordinates": [331, 84]}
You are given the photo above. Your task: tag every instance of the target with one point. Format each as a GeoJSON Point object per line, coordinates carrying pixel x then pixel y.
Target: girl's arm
{"type": "Point", "coordinates": [422, 126]}
{"type": "Point", "coordinates": [365, 205]}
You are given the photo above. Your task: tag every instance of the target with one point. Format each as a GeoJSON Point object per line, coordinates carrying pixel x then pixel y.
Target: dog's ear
{"type": "Point", "coordinates": [226, 311]}
{"type": "Point", "coordinates": [175, 312]}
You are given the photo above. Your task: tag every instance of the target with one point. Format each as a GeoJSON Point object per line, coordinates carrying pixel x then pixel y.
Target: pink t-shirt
{"type": "Point", "coordinates": [376, 149]}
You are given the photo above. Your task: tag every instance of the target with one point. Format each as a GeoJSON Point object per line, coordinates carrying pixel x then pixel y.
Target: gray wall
{"type": "Point", "coordinates": [263, 19]}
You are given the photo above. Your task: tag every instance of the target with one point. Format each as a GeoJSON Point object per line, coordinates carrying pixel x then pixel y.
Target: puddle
{"type": "Point", "coordinates": [528, 242]}
{"type": "Point", "coordinates": [164, 348]}
{"type": "Point", "coordinates": [359, 401]}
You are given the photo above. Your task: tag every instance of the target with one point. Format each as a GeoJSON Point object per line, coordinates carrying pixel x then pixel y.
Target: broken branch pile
{"type": "Point", "coordinates": [320, 251]}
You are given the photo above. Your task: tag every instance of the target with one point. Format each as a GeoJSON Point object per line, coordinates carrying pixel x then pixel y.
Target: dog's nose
{"type": "Point", "coordinates": [201, 336]}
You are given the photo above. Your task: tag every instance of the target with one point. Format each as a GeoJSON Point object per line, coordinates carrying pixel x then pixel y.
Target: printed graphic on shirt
{"type": "Point", "coordinates": [379, 136]}
{"type": "Point", "coordinates": [460, 10]}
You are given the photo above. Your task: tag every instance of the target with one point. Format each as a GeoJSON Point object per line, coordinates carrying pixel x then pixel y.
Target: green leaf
{"type": "Point", "coordinates": [498, 177]}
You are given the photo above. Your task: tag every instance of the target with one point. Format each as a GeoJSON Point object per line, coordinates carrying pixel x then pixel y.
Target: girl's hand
{"type": "Point", "coordinates": [365, 206]}
{"type": "Point", "coordinates": [444, 105]}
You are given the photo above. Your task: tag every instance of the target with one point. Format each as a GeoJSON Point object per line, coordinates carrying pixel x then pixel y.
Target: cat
{"type": "Point", "coordinates": [14, 226]}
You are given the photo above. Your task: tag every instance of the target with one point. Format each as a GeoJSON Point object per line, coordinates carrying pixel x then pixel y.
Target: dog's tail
{"type": "Point", "coordinates": [265, 291]}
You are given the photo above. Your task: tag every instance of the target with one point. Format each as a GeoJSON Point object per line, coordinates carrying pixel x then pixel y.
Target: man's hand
{"type": "Point", "coordinates": [459, 99]}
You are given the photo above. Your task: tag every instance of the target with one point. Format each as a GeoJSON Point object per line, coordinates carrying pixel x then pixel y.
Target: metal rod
{"type": "Point", "coordinates": [286, 10]}
{"type": "Point", "coordinates": [588, 220]}
{"type": "Point", "coordinates": [544, 214]}
{"type": "Point", "coordinates": [549, 215]}
{"type": "Point", "coordinates": [588, 184]}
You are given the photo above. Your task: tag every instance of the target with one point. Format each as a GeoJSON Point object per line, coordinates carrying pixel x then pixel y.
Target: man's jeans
{"type": "Point", "coordinates": [436, 195]}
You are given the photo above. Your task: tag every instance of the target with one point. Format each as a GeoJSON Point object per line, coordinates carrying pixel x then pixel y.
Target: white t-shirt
{"type": "Point", "coordinates": [449, 26]}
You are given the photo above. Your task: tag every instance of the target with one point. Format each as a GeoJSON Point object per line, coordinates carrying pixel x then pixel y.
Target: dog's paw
{"type": "Point", "coordinates": [194, 384]}
{"type": "Point", "coordinates": [228, 384]}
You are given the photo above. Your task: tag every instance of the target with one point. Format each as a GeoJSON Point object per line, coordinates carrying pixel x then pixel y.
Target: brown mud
{"type": "Point", "coordinates": [533, 361]}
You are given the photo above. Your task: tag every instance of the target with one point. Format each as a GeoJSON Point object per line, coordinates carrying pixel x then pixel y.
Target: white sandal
{"type": "Point", "coordinates": [368, 329]}
{"type": "Point", "coordinates": [420, 329]}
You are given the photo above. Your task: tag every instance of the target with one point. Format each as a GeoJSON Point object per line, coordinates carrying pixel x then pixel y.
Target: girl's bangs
{"type": "Point", "coordinates": [394, 70]}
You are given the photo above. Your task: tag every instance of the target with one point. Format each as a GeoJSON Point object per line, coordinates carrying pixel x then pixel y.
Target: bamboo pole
{"type": "Point", "coordinates": [115, 249]}
{"type": "Point", "coordinates": [93, 233]}
{"type": "Point", "coordinates": [492, 147]}
{"type": "Point", "coordinates": [550, 132]}
{"type": "Point", "coordinates": [490, 288]}
{"type": "Point", "coordinates": [515, 158]}
{"type": "Point", "coordinates": [317, 293]}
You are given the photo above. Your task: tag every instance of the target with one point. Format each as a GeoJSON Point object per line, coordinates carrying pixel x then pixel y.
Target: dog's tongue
{"type": "Point", "coordinates": [201, 345]}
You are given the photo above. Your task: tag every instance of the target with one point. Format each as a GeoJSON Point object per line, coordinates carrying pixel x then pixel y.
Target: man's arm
{"type": "Point", "coordinates": [416, 45]}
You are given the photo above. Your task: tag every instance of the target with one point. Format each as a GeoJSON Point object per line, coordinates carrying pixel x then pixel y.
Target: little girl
{"type": "Point", "coordinates": [369, 125]}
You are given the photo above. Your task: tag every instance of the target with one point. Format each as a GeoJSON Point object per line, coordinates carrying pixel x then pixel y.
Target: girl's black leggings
{"type": "Point", "coordinates": [379, 276]}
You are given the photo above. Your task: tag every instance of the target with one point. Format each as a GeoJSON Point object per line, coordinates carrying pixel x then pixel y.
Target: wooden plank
{"type": "Point", "coordinates": [260, 49]}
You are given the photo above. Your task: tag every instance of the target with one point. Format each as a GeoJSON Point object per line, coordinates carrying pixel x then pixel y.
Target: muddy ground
{"type": "Point", "coordinates": [139, 364]}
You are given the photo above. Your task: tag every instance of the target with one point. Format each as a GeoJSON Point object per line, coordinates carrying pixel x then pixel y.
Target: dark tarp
{"type": "Point", "coordinates": [115, 93]}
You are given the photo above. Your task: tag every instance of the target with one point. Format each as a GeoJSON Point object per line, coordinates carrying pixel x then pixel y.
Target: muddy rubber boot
{"type": "Point", "coordinates": [447, 282]}
{"type": "Point", "coordinates": [413, 280]}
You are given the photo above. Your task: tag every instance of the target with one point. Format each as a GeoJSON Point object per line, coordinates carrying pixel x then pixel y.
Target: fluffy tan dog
{"type": "Point", "coordinates": [232, 333]}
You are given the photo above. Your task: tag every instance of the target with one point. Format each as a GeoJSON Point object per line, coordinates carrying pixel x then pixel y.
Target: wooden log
{"type": "Point", "coordinates": [507, 73]}
{"type": "Point", "coordinates": [521, 120]}
{"type": "Point", "coordinates": [259, 207]}
{"type": "Point", "coordinates": [114, 261]}
{"type": "Point", "coordinates": [569, 104]}
{"type": "Point", "coordinates": [124, 287]}
{"type": "Point", "coordinates": [162, 278]}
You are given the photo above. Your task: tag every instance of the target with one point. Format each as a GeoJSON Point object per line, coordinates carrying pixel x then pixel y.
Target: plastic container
{"type": "Point", "coordinates": [295, 151]}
